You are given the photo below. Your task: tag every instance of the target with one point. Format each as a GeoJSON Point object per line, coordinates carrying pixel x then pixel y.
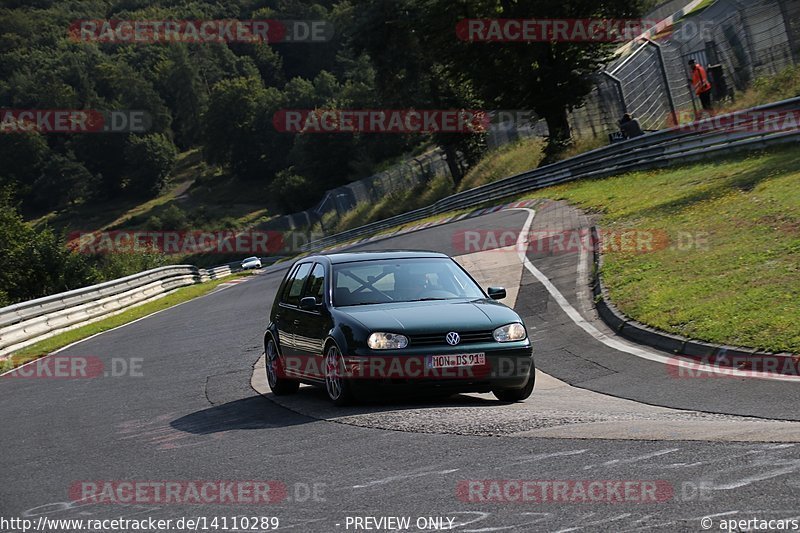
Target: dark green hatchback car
{"type": "Point", "coordinates": [416, 319]}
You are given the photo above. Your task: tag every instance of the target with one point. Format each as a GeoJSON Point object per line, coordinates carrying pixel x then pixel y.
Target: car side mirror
{"type": "Point", "coordinates": [496, 293]}
{"type": "Point", "coordinates": [309, 303]}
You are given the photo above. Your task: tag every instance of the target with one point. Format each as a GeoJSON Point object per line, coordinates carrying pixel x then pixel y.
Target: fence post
{"type": "Point", "coordinates": [618, 84]}
{"type": "Point", "coordinates": [662, 66]}
{"type": "Point", "coordinates": [787, 23]}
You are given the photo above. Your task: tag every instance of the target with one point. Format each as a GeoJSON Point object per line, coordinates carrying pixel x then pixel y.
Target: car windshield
{"type": "Point", "coordinates": [250, 259]}
{"type": "Point", "coordinates": [401, 280]}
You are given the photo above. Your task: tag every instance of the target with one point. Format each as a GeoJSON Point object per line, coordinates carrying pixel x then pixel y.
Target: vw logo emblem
{"type": "Point", "coordinates": [453, 338]}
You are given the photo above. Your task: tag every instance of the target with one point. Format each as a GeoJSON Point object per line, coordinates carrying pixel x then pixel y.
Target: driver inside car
{"type": "Point", "coordinates": [410, 286]}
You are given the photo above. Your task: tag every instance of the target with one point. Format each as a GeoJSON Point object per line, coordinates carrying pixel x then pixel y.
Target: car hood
{"type": "Point", "coordinates": [432, 316]}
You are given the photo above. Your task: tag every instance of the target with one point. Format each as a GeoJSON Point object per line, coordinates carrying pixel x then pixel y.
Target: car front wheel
{"type": "Point", "coordinates": [517, 395]}
{"type": "Point", "coordinates": [338, 388]}
{"type": "Point", "coordinates": [276, 379]}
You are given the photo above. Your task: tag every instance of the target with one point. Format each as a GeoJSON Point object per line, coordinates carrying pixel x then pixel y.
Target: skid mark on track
{"type": "Point", "coordinates": [541, 456]}
{"type": "Point", "coordinates": [401, 477]}
{"type": "Point", "coordinates": [630, 460]}
{"type": "Point", "coordinates": [157, 433]}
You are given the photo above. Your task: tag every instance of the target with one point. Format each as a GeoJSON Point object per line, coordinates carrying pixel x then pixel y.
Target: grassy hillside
{"type": "Point", "coordinates": [197, 196]}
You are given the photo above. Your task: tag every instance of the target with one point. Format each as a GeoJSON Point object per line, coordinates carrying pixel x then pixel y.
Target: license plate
{"type": "Point", "coordinates": [455, 360]}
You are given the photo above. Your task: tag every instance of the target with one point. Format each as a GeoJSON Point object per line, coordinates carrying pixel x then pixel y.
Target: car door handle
{"type": "Point", "coordinates": [296, 322]}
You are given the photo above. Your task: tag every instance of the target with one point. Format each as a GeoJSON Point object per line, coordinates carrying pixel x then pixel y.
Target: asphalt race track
{"type": "Point", "coordinates": [603, 409]}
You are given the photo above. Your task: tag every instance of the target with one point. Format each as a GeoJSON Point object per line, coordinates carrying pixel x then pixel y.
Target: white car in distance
{"type": "Point", "coordinates": [251, 262]}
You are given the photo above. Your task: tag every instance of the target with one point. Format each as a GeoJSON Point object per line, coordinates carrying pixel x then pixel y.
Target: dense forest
{"type": "Point", "coordinates": [221, 97]}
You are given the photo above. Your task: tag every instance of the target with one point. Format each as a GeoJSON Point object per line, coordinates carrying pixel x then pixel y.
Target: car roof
{"type": "Point", "coordinates": [349, 257]}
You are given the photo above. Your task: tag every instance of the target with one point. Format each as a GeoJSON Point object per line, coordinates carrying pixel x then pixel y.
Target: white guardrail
{"type": "Point", "coordinates": [29, 322]}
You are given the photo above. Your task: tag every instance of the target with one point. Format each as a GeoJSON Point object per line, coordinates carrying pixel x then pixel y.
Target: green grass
{"type": "Point", "coordinates": [743, 287]}
{"type": "Point", "coordinates": [504, 162]}
{"type": "Point", "coordinates": [766, 89]}
{"type": "Point", "coordinates": [395, 203]}
{"type": "Point", "coordinates": [40, 349]}
{"type": "Point", "coordinates": [496, 164]}
{"type": "Point", "coordinates": [698, 8]}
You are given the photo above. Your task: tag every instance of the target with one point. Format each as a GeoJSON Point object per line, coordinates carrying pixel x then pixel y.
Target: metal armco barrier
{"type": "Point", "coordinates": [29, 322]}
{"type": "Point", "coordinates": [677, 144]}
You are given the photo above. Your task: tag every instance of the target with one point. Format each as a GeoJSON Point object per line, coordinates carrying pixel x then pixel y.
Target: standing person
{"type": "Point", "coordinates": [701, 85]}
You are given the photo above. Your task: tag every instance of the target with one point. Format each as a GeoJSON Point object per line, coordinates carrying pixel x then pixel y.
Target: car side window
{"type": "Point", "coordinates": [288, 284]}
{"type": "Point", "coordinates": [316, 284]}
{"type": "Point", "coordinates": [295, 286]}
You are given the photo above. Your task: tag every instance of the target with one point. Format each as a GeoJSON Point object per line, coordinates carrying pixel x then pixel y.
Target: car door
{"type": "Point", "coordinates": [280, 315]}
{"type": "Point", "coordinates": [288, 317]}
{"type": "Point", "coordinates": [314, 324]}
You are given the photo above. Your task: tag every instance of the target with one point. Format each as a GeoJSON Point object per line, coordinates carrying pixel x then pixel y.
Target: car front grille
{"type": "Point", "coordinates": [439, 339]}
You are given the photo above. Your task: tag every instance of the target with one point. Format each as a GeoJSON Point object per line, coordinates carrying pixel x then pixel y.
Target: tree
{"type": "Point", "coordinates": [62, 182]}
{"type": "Point", "coordinates": [301, 59]}
{"type": "Point", "coordinates": [238, 129]}
{"type": "Point", "coordinates": [103, 154]}
{"type": "Point", "coordinates": [150, 159]}
{"type": "Point", "coordinates": [22, 157]}
{"type": "Point", "coordinates": [181, 87]}
{"type": "Point", "coordinates": [294, 192]}
{"type": "Point", "coordinates": [411, 72]}
{"type": "Point", "coordinates": [35, 263]}
{"type": "Point", "coordinates": [550, 78]}
{"type": "Point", "coordinates": [173, 218]}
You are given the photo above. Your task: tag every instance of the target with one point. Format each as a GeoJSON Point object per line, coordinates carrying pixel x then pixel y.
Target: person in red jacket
{"type": "Point", "coordinates": [700, 84]}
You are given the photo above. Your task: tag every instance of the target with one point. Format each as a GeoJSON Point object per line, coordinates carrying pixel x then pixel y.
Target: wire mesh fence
{"type": "Point", "coordinates": [737, 41]}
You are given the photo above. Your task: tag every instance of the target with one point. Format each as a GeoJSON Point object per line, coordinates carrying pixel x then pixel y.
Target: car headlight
{"type": "Point", "coordinates": [387, 341]}
{"type": "Point", "coordinates": [510, 332]}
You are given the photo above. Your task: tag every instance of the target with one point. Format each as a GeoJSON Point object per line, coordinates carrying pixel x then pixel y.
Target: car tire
{"type": "Point", "coordinates": [339, 389]}
{"type": "Point", "coordinates": [279, 385]}
{"type": "Point", "coordinates": [517, 395]}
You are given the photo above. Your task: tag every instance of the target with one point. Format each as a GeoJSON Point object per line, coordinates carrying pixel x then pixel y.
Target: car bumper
{"type": "Point", "coordinates": [506, 366]}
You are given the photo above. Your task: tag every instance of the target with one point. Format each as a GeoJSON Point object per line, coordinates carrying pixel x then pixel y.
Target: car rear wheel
{"type": "Point", "coordinates": [276, 379]}
{"type": "Point", "coordinates": [517, 395]}
{"type": "Point", "coordinates": [338, 388]}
